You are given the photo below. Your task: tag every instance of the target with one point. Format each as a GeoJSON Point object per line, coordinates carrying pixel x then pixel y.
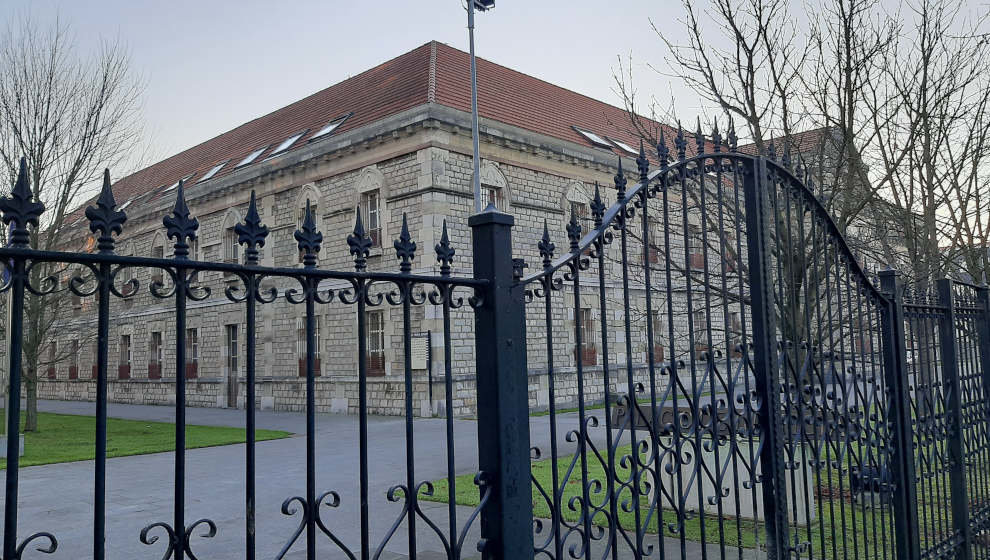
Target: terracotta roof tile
{"type": "Point", "coordinates": [409, 80]}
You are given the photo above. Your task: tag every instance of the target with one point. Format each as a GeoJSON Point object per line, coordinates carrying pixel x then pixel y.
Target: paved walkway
{"type": "Point", "coordinates": [58, 498]}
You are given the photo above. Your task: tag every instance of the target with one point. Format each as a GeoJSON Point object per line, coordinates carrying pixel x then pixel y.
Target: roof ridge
{"type": "Point", "coordinates": [431, 92]}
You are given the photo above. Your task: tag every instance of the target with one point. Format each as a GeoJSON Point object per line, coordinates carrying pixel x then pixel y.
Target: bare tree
{"type": "Point", "coordinates": [70, 116]}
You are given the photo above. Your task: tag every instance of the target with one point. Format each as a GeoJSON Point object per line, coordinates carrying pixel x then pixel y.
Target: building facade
{"type": "Point", "coordinates": [391, 142]}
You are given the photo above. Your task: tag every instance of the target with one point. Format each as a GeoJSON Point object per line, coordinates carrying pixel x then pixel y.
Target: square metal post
{"type": "Point", "coordinates": [772, 458]}
{"type": "Point", "coordinates": [905, 494]}
{"type": "Point", "coordinates": [950, 374]}
{"type": "Point", "coordinates": [502, 392]}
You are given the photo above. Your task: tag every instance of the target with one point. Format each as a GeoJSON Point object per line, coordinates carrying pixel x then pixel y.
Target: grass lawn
{"type": "Point", "coordinates": [838, 525]}
{"type": "Point", "coordinates": [63, 438]}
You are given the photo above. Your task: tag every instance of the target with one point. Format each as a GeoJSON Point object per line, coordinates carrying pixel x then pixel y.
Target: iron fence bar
{"type": "Point", "coordinates": [905, 495]}
{"type": "Point", "coordinates": [249, 420]}
{"type": "Point", "coordinates": [362, 323]}
{"type": "Point", "coordinates": [16, 333]}
{"type": "Point", "coordinates": [411, 493]}
{"type": "Point", "coordinates": [311, 503]}
{"type": "Point", "coordinates": [950, 372]}
{"type": "Point", "coordinates": [100, 471]}
{"type": "Point", "coordinates": [503, 400]}
{"type": "Point", "coordinates": [764, 357]}
{"type": "Point", "coordinates": [983, 352]}
{"type": "Point", "coordinates": [179, 475]}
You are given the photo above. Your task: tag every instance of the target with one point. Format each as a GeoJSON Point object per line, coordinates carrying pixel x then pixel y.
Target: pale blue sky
{"type": "Point", "coordinates": [211, 65]}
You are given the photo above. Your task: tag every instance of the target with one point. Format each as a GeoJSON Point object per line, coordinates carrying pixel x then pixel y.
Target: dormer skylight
{"type": "Point", "coordinates": [330, 127]}
{"type": "Point", "coordinates": [213, 170]}
{"type": "Point", "coordinates": [125, 205]}
{"type": "Point", "coordinates": [252, 156]}
{"type": "Point", "coordinates": [595, 139]}
{"type": "Point", "coordinates": [174, 185]}
{"type": "Point", "coordinates": [286, 144]}
{"type": "Point", "coordinates": [624, 147]}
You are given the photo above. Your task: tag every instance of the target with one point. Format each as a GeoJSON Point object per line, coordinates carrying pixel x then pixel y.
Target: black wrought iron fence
{"type": "Point", "coordinates": [721, 379]}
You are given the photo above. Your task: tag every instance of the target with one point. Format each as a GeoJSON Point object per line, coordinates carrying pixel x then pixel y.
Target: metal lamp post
{"type": "Point", "coordinates": [481, 5]}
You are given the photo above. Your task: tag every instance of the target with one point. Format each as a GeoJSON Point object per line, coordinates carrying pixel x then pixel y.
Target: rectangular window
{"type": "Point", "coordinates": [286, 144]}
{"type": "Point", "coordinates": [74, 360]}
{"type": "Point", "coordinates": [192, 353]}
{"type": "Point", "coordinates": [252, 156]}
{"type": "Point", "coordinates": [587, 353]}
{"type": "Point", "coordinates": [371, 208]}
{"type": "Point", "coordinates": [376, 343]}
{"type": "Point", "coordinates": [232, 350]}
{"type": "Point", "coordinates": [330, 127]}
{"type": "Point", "coordinates": [301, 346]}
{"type": "Point", "coordinates": [96, 359]}
{"type": "Point", "coordinates": [700, 332]}
{"type": "Point", "coordinates": [660, 336]}
{"type": "Point", "coordinates": [230, 247]}
{"type": "Point", "coordinates": [491, 195]}
{"type": "Point", "coordinates": [124, 363]}
{"type": "Point", "coordinates": [696, 250]}
{"type": "Point", "coordinates": [157, 252]}
{"type": "Point", "coordinates": [52, 358]}
{"type": "Point", "coordinates": [155, 356]}
{"type": "Point", "coordinates": [213, 171]}
{"type": "Point", "coordinates": [194, 256]}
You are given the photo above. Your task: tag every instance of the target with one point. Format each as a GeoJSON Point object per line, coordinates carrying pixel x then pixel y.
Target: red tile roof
{"type": "Point", "coordinates": [433, 72]}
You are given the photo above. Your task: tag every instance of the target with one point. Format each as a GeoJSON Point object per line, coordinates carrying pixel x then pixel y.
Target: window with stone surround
{"type": "Point", "coordinates": [376, 342]}
{"type": "Point", "coordinates": [157, 252]}
{"type": "Point", "coordinates": [660, 336]}
{"type": "Point", "coordinates": [124, 358]}
{"type": "Point", "coordinates": [587, 353]}
{"type": "Point", "coordinates": [301, 345]}
{"type": "Point", "coordinates": [232, 349]}
{"type": "Point", "coordinates": [494, 187]}
{"type": "Point", "coordinates": [74, 360]}
{"type": "Point", "coordinates": [699, 324]}
{"type": "Point", "coordinates": [696, 249]}
{"type": "Point", "coordinates": [52, 358]}
{"type": "Point", "coordinates": [155, 356]}
{"type": "Point", "coordinates": [231, 253]}
{"type": "Point", "coordinates": [371, 208]}
{"type": "Point", "coordinates": [192, 353]}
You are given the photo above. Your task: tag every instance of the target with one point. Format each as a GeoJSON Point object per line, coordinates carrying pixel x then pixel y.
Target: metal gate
{"type": "Point", "coordinates": [720, 379]}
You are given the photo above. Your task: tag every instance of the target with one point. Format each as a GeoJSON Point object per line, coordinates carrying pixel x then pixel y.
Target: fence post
{"type": "Point", "coordinates": [502, 392]}
{"type": "Point", "coordinates": [773, 479]}
{"type": "Point", "coordinates": [905, 495]}
{"type": "Point", "coordinates": [950, 373]}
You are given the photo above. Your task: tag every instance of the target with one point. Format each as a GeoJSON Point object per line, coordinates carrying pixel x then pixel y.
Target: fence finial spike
{"type": "Point", "coordinates": [663, 152]}
{"type": "Point", "coordinates": [620, 182]}
{"type": "Point", "coordinates": [597, 206]}
{"type": "Point", "coordinates": [732, 139]}
{"type": "Point", "coordinates": [20, 208]}
{"type": "Point", "coordinates": [359, 243]}
{"type": "Point", "coordinates": [251, 232]}
{"type": "Point", "coordinates": [180, 226]}
{"type": "Point", "coordinates": [105, 218]}
{"type": "Point", "coordinates": [716, 137]}
{"type": "Point", "coordinates": [308, 237]}
{"type": "Point", "coordinates": [574, 231]}
{"type": "Point", "coordinates": [546, 246]}
{"type": "Point", "coordinates": [680, 143]}
{"type": "Point", "coordinates": [699, 138]}
{"type": "Point", "coordinates": [772, 150]}
{"type": "Point", "coordinates": [405, 247]}
{"type": "Point", "coordinates": [445, 253]}
{"type": "Point", "coordinates": [643, 164]}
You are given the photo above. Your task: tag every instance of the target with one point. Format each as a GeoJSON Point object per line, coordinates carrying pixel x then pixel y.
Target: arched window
{"type": "Point", "coordinates": [370, 188]}
{"type": "Point", "coordinates": [494, 187]}
{"type": "Point", "coordinates": [157, 252]}
{"type": "Point", "coordinates": [230, 250]}
{"type": "Point", "coordinates": [577, 201]}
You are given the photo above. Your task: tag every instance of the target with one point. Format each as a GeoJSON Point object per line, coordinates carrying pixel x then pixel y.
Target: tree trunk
{"type": "Point", "coordinates": [31, 406]}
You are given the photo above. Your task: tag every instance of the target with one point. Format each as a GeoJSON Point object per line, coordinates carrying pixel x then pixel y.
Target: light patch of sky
{"type": "Point", "coordinates": [211, 66]}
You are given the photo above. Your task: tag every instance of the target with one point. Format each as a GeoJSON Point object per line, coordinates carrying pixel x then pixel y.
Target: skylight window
{"type": "Point", "coordinates": [285, 144]}
{"type": "Point", "coordinates": [624, 147]}
{"type": "Point", "coordinates": [213, 171]}
{"type": "Point", "coordinates": [126, 204]}
{"type": "Point", "coordinates": [330, 127]}
{"type": "Point", "coordinates": [176, 184]}
{"type": "Point", "coordinates": [595, 139]}
{"type": "Point", "coordinates": [252, 156]}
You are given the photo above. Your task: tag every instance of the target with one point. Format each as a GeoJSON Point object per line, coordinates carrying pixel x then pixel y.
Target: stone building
{"type": "Point", "coordinates": [393, 140]}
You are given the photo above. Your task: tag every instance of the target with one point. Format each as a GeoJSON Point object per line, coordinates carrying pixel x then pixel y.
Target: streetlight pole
{"type": "Point", "coordinates": [481, 5]}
